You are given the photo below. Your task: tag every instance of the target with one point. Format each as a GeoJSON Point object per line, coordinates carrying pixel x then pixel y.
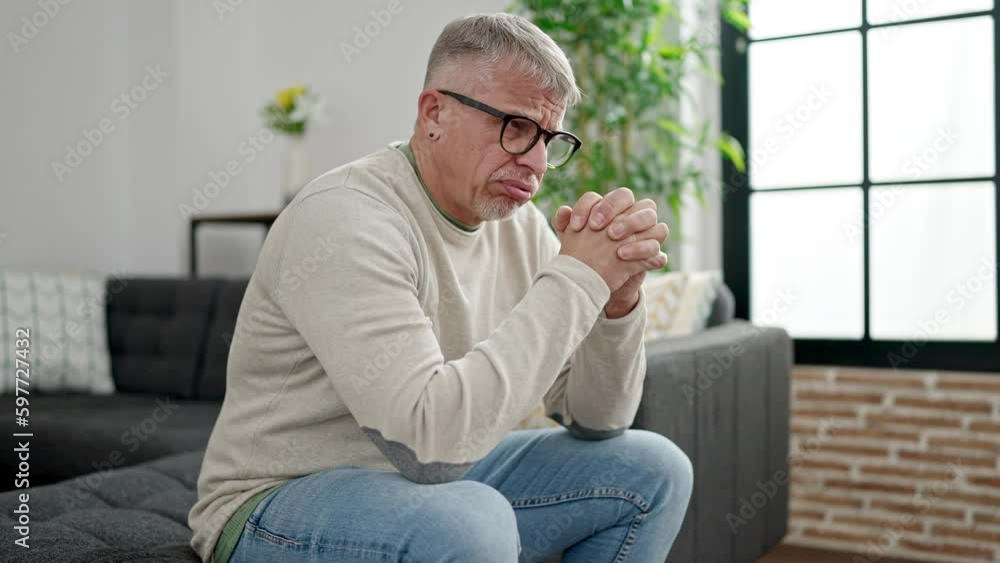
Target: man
{"type": "Point", "coordinates": [410, 308]}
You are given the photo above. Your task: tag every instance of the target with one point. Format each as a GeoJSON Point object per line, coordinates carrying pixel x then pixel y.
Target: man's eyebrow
{"type": "Point", "coordinates": [533, 114]}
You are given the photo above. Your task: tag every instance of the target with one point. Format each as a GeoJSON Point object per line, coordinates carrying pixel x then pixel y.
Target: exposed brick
{"type": "Point", "coordinates": [807, 479]}
{"type": "Point", "coordinates": [946, 404]}
{"type": "Point", "coordinates": [824, 412]}
{"type": "Point", "coordinates": [940, 424]}
{"type": "Point", "coordinates": [855, 449]}
{"type": "Point", "coordinates": [806, 430]}
{"type": "Point", "coordinates": [806, 514]}
{"type": "Point", "coordinates": [982, 554]}
{"type": "Point", "coordinates": [983, 481]}
{"type": "Point", "coordinates": [918, 509]}
{"type": "Point", "coordinates": [838, 397]}
{"type": "Point", "coordinates": [947, 458]}
{"type": "Point", "coordinates": [809, 374]}
{"type": "Point", "coordinates": [881, 378]}
{"type": "Point", "coordinates": [841, 536]}
{"type": "Point", "coordinates": [881, 419]}
{"type": "Point", "coordinates": [831, 500]}
{"type": "Point", "coordinates": [948, 442]}
{"type": "Point", "coordinates": [989, 426]}
{"type": "Point", "coordinates": [980, 499]}
{"type": "Point", "coordinates": [875, 486]}
{"type": "Point", "coordinates": [807, 463]}
{"type": "Point", "coordinates": [967, 533]}
{"type": "Point", "coordinates": [869, 522]}
{"type": "Point", "coordinates": [876, 434]}
{"type": "Point", "coordinates": [989, 518]}
{"type": "Point", "coordinates": [907, 472]}
{"type": "Point", "coordinates": [969, 383]}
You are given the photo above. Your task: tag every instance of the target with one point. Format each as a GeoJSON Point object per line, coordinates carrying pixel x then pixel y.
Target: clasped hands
{"type": "Point", "coordinates": [618, 237]}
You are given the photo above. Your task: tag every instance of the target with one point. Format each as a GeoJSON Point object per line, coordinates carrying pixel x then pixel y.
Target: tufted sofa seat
{"type": "Point", "coordinates": [137, 513]}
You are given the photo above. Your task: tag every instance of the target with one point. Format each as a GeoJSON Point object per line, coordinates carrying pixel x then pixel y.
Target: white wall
{"type": "Point", "coordinates": [119, 210]}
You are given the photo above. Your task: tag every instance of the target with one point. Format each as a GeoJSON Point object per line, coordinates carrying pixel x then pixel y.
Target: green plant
{"type": "Point", "coordinates": [631, 74]}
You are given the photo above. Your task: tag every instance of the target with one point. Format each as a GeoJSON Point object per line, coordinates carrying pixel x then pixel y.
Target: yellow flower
{"type": "Point", "coordinates": [286, 98]}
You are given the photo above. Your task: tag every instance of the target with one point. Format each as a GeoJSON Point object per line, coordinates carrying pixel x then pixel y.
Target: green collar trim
{"type": "Point", "coordinates": [405, 148]}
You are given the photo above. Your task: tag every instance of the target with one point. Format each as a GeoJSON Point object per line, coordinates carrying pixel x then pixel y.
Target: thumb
{"type": "Point", "coordinates": [561, 219]}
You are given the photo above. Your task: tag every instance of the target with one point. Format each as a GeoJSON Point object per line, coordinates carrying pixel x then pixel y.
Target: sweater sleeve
{"type": "Point", "coordinates": [358, 310]}
{"type": "Point", "coordinates": [597, 392]}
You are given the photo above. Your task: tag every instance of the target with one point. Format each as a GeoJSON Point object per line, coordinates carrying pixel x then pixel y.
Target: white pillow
{"type": "Point", "coordinates": [679, 303]}
{"type": "Point", "coordinates": [69, 344]}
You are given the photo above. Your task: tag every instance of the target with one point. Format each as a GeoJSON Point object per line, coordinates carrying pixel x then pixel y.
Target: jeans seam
{"type": "Point", "coordinates": [263, 534]}
{"type": "Point", "coordinates": [630, 537]}
{"type": "Point", "coordinates": [602, 492]}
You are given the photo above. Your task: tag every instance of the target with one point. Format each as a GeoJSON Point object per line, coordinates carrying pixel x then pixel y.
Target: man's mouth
{"type": "Point", "coordinates": [517, 189]}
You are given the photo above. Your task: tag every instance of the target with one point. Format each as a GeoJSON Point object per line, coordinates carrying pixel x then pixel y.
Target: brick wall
{"type": "Point", "coordinates": [900, 463]}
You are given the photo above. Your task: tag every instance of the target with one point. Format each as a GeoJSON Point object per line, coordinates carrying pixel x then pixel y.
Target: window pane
{"type": "Point", "coordinates": [806, 272]}
{"type": "Point", "coordinates": [805, 111]}
{"type": "Point", "coordinates": [933, 262]}
{"type": "Point", "coordinates": [885, 11]}
{"type": "Point", "coordinates": [931, 110]}
{"type": "Point", "coordinates": [773, 18]}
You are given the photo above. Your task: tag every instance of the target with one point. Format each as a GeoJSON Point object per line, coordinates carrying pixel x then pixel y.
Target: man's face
{"type": "Point", "coordinates": [496, 183]}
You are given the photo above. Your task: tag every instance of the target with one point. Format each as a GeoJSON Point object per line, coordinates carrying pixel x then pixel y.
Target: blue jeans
{"type": "Point", "coordinates": [539, 493]}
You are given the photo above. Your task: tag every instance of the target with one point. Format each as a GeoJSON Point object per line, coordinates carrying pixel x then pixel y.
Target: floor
{"type": "Point", "coordinates": [795, 554]}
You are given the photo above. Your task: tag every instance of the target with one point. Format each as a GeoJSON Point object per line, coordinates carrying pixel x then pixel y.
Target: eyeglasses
{"type": "Point", "coordinates": [518, 134]}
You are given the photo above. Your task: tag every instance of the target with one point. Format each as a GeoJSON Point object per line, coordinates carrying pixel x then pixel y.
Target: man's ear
{"type": "Point", "coordinates": [429, 108]}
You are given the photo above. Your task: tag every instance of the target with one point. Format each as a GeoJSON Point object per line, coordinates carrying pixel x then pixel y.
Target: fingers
{"type": "Point", "coordinates": [581, 211]}
{"type": "Point", "coordinates": [639, 250]}
{"type": "Point", "coordinates": [610, 207]}
{"type": "Point", "coordinates": [632, 222]}
{"type": "Point", "coordinates": [561, 219]}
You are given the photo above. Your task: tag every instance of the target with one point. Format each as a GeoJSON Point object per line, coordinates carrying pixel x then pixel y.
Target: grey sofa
{"type": "Point", "coordinates": [113, 477]}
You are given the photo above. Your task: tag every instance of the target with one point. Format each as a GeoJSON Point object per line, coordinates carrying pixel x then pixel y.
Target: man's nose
{"type": "Point", "coordinates": [535, 158]}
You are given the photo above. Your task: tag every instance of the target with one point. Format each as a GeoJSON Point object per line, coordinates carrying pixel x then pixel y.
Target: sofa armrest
{"type": "Point", "coordinates": [722, 395]}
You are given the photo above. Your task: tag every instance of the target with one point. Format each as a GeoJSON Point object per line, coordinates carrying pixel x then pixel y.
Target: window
{"type": "Point", "coordinates": [866, 223]}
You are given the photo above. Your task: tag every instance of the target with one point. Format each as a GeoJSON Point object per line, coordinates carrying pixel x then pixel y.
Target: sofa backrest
{"type": "Point", "coordinates": [166, 336]}
{"type": "Point", "coordinates": [211, 382]}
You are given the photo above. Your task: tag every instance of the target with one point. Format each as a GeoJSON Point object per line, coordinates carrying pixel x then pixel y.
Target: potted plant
{"type": "Point", "coordinates": [290, 112]}
{"type": "Point", "coordinates": [631, 75]}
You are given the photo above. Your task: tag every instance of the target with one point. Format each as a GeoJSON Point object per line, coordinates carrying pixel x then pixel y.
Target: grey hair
{"type": "Point", "coordinates": [490, 39]}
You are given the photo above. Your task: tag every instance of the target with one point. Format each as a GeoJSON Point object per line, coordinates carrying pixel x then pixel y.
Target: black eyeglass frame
{"type": "Point", "coordinates": [508, 117]}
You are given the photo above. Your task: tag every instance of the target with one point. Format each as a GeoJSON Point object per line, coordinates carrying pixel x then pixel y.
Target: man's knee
{"type": "Point", "coordinates": [654, 459]}
{"type": "Point", "coordinates": [476, 523]}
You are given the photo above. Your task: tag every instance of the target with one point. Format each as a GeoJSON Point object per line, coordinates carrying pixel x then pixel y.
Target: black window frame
{"type": "Point", "coordinates": [900, 354]}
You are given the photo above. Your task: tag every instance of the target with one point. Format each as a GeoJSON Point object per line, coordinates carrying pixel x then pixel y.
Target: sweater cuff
{"type": "Point", "coordinates": [586, 277]}
{"type": "Point", "coordinates": [638, 312]}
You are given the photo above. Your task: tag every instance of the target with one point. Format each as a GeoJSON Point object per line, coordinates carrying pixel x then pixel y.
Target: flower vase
{"type": "Point", "coordinates": [294, 168]}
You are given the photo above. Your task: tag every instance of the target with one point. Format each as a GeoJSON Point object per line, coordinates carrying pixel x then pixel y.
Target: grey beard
{"type": "Point", "coordinates": [494, 208]}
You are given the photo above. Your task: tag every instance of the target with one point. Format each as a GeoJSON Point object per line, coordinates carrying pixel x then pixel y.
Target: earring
{"type": "Point", "coordinates": [431, 135]}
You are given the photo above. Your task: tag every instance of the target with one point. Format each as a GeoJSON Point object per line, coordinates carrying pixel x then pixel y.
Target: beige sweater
{"type": "Point", "coordinates": [376, 333]}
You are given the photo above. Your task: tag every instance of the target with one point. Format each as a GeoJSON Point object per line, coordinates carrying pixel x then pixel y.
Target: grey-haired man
{"type": "Point", "coordinates": [372, 392]}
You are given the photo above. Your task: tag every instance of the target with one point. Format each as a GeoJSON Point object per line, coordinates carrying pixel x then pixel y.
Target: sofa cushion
{"type": "Point", "coordinates": [679, 303]}
{"type": "Point", "coordinates": [212, 376]}
{"type": "Point", "coordinates": [78, 434]}
{"type": "Point", "coordinates": [156, 332]}
{"type": "Point", "coordinates": [132, 514]}
{"type": "Point", "coordinates": [66, 347]}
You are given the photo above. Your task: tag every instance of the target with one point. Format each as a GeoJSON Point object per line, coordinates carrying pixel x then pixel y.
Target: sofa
{"type": "Point", "coordinates": [113, 477]}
